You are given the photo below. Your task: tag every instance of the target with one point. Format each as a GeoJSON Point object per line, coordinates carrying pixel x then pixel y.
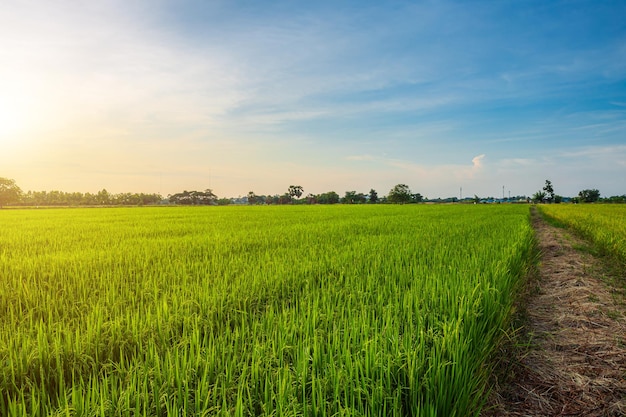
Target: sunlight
{"type": "Point", "coordinates": [12, 119]}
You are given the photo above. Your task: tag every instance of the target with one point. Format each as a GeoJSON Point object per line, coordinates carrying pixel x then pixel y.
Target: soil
{"type": "Point", "coordinates": [569, 358]}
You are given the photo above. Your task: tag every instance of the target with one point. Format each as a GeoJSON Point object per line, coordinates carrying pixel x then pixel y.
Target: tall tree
{"type": "Point", "coordinates": [549, 191]}
{"type": "Point", "coordinates": [349, 197]}
{"type": "Point", "coordinates": [252, 198]}
{"type": "Point", "coordinates": [373, 196]}
{"type": "Point", "coordinates": [295, 191]}
{"type": "Point", "coordinates": [9, 192]}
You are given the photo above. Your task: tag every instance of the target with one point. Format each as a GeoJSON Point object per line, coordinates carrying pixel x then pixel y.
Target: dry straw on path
{"type": "Point", "coordinates": [575, 361]}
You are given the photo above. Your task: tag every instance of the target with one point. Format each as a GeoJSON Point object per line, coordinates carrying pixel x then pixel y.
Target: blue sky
{"type": "Point", "coordinates": [238, 96]}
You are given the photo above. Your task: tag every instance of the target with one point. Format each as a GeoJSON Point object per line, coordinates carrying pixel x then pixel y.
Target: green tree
{"type": "Point", "coordinates": [349, 197]}
{"type": "Point", "coordinates": [352, 197]}
{"type": "Point", "coordinates": [417, 198]}
{"type": "Point", "coordinates": [539, 197]}
{"type": "Point", "coordinates": [400, 194]}
{"type": "Point", "coordinates": [330, 197]}
{"type": "Point", "coordinates": [224, 202]}
{"type": "Point", "coordinates": [616, 199]}
{"type": "Point", "coordinates": [589, 196]}
{"type": "Point", "coordinates": [104, 197]}
{"type": "Point", "coordinates": [9, 192]}
{"type": "Point", "coordinates": [373, 196]}
{"type": "Point", "coordinates": [549, 191]}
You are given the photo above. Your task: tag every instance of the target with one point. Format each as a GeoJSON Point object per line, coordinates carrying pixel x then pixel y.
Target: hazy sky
{"type": "Point", "coordinates": [238, 96]}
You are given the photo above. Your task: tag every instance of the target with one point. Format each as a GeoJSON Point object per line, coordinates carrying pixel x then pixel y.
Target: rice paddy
{"type": "Point", "coordinates": [264, 311]}
{"type": "Point", "coordinates": [602, 224]}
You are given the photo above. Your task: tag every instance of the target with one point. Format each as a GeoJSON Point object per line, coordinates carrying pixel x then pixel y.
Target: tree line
{"type": "Point", "coordinates": [10, 193]}
{"type": "Point", "coordinates": [400, 193]}
{"type": "Point", "coordinates": [547, 195]}
{"type": "Point", "coordinates": [101, 198]}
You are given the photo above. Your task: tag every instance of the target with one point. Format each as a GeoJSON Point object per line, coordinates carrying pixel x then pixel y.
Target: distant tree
{"type": "Point", "coordinates": [311, 198]}
{"type": "Point", "coordinates": [549, 191]}
{"type": "Point", "coordinates": [252, 198]}
{"type": "Point", "coordinates": [589, 196]}
{"type": "Point", "coordinates": [373, 196]}
{"type": "Point", "coordinates": [349, 197]}
{"type": "Point", "coordinates": [295, 191]}
{"type": "Point", "coordinates": [206, 197]}
{"type": "Point", "coordinates": [194, 198]}
{"type": "Point", "coordinates": [285, 198]}
{"type": "Point", "coordinates": [224, 201]}
{"type": "Point", "coordinates": [9, 192]}
{"type": "Point", "coordinates": [103, 196]}
{"type": "Point", "coordinates": [400, 194]}
{"type": "Point", "coordinates": [330, 197]}
{"type": "Point", "coordinates": [272, 199]}
{"type": "Point", "coordinates": [352, 197]}
{"type": "Point", "coordinates": [88, 199]}
{"type": "Point", "coordinates": [616, 199]}
{"type": "Point", "coordinates": [417, 198]}
{"type": "Point", "coordinates": [476, 199]}
{"type": "Point", "coordinates": [539, 197]}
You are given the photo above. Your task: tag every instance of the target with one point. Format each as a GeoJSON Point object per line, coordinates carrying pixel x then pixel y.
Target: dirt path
{"type": "Point", "coordinates": [574, 363]}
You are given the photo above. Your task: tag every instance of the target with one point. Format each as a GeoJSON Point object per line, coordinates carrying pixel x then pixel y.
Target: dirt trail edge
{"type": "Point", "coordinates": [574, 359]}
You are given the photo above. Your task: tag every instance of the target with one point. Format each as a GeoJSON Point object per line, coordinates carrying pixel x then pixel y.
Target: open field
{"type": "Point", "coordinates": [602, 224]}
{"type": "Point", "coordinates": [303, 310]}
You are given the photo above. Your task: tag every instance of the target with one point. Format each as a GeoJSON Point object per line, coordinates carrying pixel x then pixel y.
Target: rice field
{"type": "Point", "coordinates": [603, 224]}
{"type": "Point", "coordinates": [256, 311]}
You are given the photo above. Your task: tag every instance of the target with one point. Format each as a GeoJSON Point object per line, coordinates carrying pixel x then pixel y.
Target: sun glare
{"type": "Point", "coordinates": [11, 119]}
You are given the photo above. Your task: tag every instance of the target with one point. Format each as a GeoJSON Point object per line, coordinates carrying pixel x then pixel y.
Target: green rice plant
{"type": "Point", "coordinates": [603, 224]}
{"type": "Point", "coordinates": [270, 311]}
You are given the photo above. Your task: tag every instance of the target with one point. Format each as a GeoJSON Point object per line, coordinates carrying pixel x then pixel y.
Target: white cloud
{"type": "Point", "coordinates": [477, 161]}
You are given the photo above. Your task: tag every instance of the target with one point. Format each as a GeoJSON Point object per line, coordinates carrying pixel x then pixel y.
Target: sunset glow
{"type": "Point", "coordinates": [244, 97]}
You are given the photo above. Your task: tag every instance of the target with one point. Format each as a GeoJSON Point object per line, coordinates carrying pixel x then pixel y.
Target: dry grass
{"type": "Point", "coordinates": [574, 360]}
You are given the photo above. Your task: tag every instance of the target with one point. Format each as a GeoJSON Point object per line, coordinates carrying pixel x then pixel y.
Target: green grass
{"type": "Point", "coordinates": [274, 311]}
{"type": "Point", "coordinates": [603, 224]}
